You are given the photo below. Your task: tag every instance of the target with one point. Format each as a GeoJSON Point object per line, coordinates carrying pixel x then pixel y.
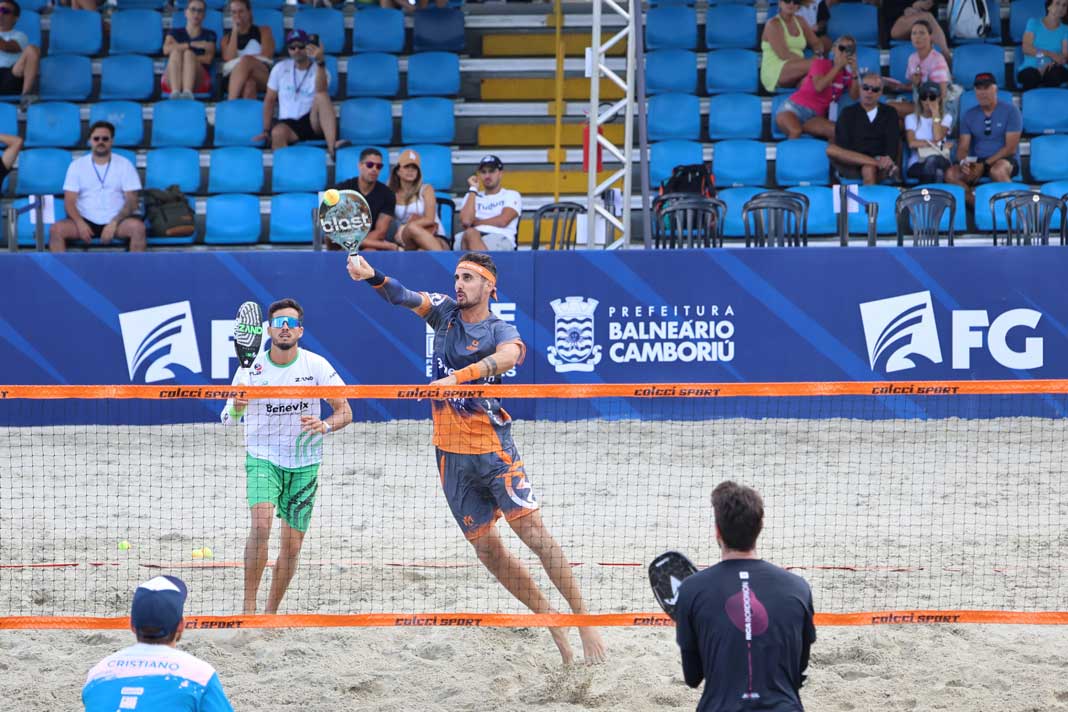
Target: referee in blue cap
{"type": "Point", "coordinates": [153, 675]}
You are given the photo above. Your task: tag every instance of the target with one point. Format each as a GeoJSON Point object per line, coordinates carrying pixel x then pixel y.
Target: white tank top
{"type": "Point", "coordinates": [417, 208]}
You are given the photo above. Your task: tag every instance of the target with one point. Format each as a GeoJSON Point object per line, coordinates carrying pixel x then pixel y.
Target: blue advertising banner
{"type": "Point", "coordinates": [631, 316]}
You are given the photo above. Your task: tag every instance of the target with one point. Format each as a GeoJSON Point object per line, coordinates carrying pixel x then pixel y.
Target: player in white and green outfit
{"type": "Point", "coordinates": [284, 448]}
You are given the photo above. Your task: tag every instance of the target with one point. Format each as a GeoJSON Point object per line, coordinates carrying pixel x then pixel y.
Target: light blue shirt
{"type": "Point", "coordinates": [8, 59]}
{"type": "Point", "coordinates": [153, 678]}
{"type": "Point", "coordinates": [1045, 39]}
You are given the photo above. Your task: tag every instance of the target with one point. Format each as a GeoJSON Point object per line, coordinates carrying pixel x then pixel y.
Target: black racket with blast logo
{"type": "Point", "coordinates": [248, 336]}
{"type": "Point", "coordinates": [666, 574]}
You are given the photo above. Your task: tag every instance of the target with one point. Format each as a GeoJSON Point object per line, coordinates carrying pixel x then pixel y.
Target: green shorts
{"type": "Point", "coordinates": [292, 492]}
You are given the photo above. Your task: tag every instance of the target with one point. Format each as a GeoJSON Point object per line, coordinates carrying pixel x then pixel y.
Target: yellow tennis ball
{"type": "Point", "coordinates": [331, 197]}
{"type": "Point", "coordinates": [124, 545]}
{"type": "Point", "coordinates": [207, 552]}
{"type": "Point", "coordinates": [198, 553]}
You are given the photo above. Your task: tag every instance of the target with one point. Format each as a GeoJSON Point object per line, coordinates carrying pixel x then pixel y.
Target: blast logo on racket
{"type": "Point", "coordinates": [345, 218]}
{"type": "Point", "coordinates": [666, 574]}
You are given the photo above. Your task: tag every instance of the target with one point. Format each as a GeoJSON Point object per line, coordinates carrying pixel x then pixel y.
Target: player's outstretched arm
{"type": "Point", "coordinates": [389, 289]}
{"type": "Point", "coordinates": [500, 361]}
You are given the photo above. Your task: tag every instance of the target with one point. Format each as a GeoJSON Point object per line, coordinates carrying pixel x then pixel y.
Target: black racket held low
{"type": "Point", "coordinates": [666, 574]}
{"type": "Point", "coordinates": [248, 333]}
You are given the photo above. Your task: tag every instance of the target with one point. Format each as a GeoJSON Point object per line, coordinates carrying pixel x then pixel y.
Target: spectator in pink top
{"type": "Point", "coordinates": [807, 110]}
{"type": "Point", "coordinates": [926, 64]}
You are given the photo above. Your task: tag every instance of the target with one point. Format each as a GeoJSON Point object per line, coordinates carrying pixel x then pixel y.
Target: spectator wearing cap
{"type": "Point", "coordinates": [417, 207]}
{"type": "Point", "coordinates": [153, 675]}
{"type": "Point", "coordinates": [926, 130]}
{"type": "Point", "coordinates": [490, 214]}
{"type": "Point", "coordinates": [19, 60]}
{"type": "Point", "coordinates": [989, 138]}
{"type": "Point", "coordinates": [867, 142]}
{"type": "Point", "coordinates": [298, 86]}
{"type": "Point", "coordinates": [1045, 49]}
{"type": "Point", "coordinates": [190, 51]}
{"type": "Point", "coordinates": [380, 200]}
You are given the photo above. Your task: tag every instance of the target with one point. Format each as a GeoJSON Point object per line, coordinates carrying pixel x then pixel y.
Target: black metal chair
{"type": "Point", "coordinates": [920, 211]}
{"type": "Point", "coordinates": [1004, 195]}
{"type": "Point", "coordinates": [563, 232]}
{"type": "Point", "coordinates": [1028, 218]}
{"type": "Point", "coordinates": [694, 221]}
{"type": "Point", "coordinates": [776, 218]}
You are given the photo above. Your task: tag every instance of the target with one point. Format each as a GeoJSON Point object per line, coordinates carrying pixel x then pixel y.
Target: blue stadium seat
{"type": "Point", "coordinates": [899, 61]}
{"type": "Point", "coordinates": [428, 120]}
{"type": "Point", "coordinates": [367, 121]}
{"type": "Point", "coordinates": [732, 70]}
{"type": "Point", "coordinates": [968, 100]}
{"type": "Point", "coordinates": [674, 116]}
{"type": "Point", "coordinates": [259, 6]}
{"type": "Point", "coordinates": [136, 32]}
{"type": "Point", "coordinates": [127, 118]}
{"type": "Point", "coordinates": [9, 119]}
{"type": "Point", "coordinates": [739, 162]}
{"type": "Point", "coordinates": [299, 169]}
{"type": "Point", "coordinates": [665, 155]}
{"type": "Point", "coordinates": [179, 122]}
{"type": "Point", "coordinates": [238, 121]}
{"type": "Point", "coordinates": [347, 162]}
{"type": "Point", "coordinates": [372, 74]}
{"type": "Point", "coordinates": [75, 32]}
{"type": "Point", "coordinates": [1020, 11]}
{"type": "Point", "coordinates": [232, 219]}
{"type": "Point", "coordinates": [376, 29]}
{"type": "Point", "coordinates": [868, 58]}
{"type": "Point", "coordinates": [670, 70]}
{"type": "Point", "coordinates": [970, 59]}
{"type": "Point", "coordinates": [275, 20]}
{"type": "Point", "coordinates": [858, 19]}
{"type": "Point", "coordinates": [66, 77]}
{"type": "Point", "coordinates": [41, 171]}
{"type": "Point", "coordinates": [127, 76]}
{"type": "Point", "coordinates": [886, 197]}
{"type": "Point", "coordinates": [801, 161]}
{"type": "Point", "coordinates": [1057, 189]}
{"type": "Point", "coordinates": [29, 23]}
{"type": "Point", "coordinates": [291, 218]}
{"type": "Point", "coordinates": [672, 27]}
{"type": "Point", "coordinates": [734, 116]}
{"type": "Point", "coordinates": [960, 219]}
{"type": "Point", "coordinates": [236, 169]}
{"type": "Point", "coordinates": [438, 29]}
{"type": "Point", "coordinates": [735, 198]}
{"type": "Point", "coordinates": [821, 217]}
{"type": "Point", "coordinates": [983, 218]}
{"type": "Point", "coordinates": [326, 22]}
{"type": "Point", "coordinates": [35, 5]}
{"type": "Point", "coordinates": [434, 74]}
{"type": "Point", "coordinates": [333, 81]}
{"type": "Point", "coordinates": [55, 123]}
{"type": "Point", "coordinates": [1045, 111]}
{"type": "Point", "coordinates": [731, 26]}
{"type": "Point", "coordinates": [173, 166]}
{"type": "Point", "coordinates": [213, 20]}
{"type": "Point", "coordinates": [661, 3]}
{"type": "Point", "coordinates": [153, 4]}
{"type": "Point", "coordinates": [127, 153]}
{"type": "Point", "coordinates": [437, 165]}
{"type": "Point", "coordinates": [25, 231]}
{"type": "Point", "coordinates": [1048, 158]}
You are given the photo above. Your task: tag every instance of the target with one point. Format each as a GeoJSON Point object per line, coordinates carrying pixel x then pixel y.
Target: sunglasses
{"type": "Point", "coordinates": [373, 164]}
{"type": "Point", "coordinates": [279, 321]}
{"type": "Point", "coordinates": [100, 139]}
{"type": "Point", "coordinates": [296, 45]}
{"type": "Point", "coordinates": [847, 49]}
{"type": "Point", "coordinates": [930, 97]}
{"type": "Point", "coordinates": [988, 126]}
{"type": "Point", "coordinates": [870, 88]}
{"type": "Point", "coordinates": [7, 11]}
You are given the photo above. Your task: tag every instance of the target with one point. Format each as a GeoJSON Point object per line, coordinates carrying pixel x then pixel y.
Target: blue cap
{"type": "Point", "coordinates": [297, 36]}
{"type": "Point", "coordinates": [157, 605]}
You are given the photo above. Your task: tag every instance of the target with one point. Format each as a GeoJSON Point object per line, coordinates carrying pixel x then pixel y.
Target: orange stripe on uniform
{"type": "Point", "coordinates": [424, 308]}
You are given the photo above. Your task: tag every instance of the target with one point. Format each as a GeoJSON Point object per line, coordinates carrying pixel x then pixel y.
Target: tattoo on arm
{"type": "Point", "coordinates": [489, 367]}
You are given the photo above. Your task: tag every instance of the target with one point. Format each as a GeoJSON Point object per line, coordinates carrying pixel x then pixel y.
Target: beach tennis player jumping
{"type": "Point", "coordinates": [284, 448]}
{"type": "Point", "coordinates": [480, 468]}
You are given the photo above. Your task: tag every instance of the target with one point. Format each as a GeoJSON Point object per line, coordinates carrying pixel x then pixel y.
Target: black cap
{"type": "Point", "coordinates": [491, 161]}
{"type": "Point", "coordinates": [930, 90]}
{"type": "Point", "coordinates": [984, 79]}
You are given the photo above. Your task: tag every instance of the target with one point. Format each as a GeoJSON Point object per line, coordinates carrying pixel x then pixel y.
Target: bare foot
{"type": "Point", "coordinates": [593, 649]}
{"type": "Point", "coordinates": [560, 638]}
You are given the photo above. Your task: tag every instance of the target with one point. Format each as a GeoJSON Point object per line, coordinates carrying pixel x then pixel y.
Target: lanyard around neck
{"type": "Point", "coordinates": [106, 169]}
{"type": "Point", "coordinates": [296, 87]}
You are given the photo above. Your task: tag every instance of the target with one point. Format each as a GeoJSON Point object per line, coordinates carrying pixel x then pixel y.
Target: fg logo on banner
{"type": "Point", "coordinates": [901, 326]}
{"type": "Point", "coordinates": [574, 349]}
{"type": "Point", "coordinates": [159, 337]}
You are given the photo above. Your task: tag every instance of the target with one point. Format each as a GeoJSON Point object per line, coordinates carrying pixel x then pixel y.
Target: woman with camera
{"type": "Point", "coordinates": [926, 130]}
{"type": "Point", "coordinates": [808, 109]}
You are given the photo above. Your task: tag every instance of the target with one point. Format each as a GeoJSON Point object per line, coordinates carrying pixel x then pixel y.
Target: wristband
{"type": "Point", "coordinates": [377, 279]}
{"type": "Point", "coordinates": [472, 189]}
{"type": "Point", "coordinates": [467, 373]}
{"type": "Point", "coordinates": [328, 428]}
{"type": "Point", "coordinates": [321, 63]}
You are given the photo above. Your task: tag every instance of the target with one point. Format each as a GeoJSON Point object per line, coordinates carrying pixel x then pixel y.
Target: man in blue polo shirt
{"type": "Point", "coordinates": [153, 675]}
{"type": "Point", "coordinates": [989, 138]}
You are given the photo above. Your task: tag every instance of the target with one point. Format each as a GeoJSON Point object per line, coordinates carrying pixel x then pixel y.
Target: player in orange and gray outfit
{"type": "Point", "coordinates": [481, 471]}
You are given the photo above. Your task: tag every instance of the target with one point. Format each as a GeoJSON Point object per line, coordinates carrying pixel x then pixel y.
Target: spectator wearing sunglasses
{"type": "Point", "coordinates": [782, 62]}
{"type": "Point", "coordinates": [989, 138]}
{"type": "Point", "coordinates": [380, 199]}
{"type": "Point", "coordinates": [808, 109]}
{"type": "Point", "coordinates": [19, 60]}
{"type": "Point", "coordinates": [867, 142]}
{"type": "Point", "coordinates": [926, 131]}
{"type": "Point", "coordinates": [298, 86]}
{"type": "Point", "coordinates": [1045, 49]}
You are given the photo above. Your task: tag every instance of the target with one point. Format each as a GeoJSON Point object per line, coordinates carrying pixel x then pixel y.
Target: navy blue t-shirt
{"type": "Point", "coordinates": [717, 606]}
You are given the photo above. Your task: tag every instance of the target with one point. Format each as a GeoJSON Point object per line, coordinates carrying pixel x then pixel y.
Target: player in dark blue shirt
{"type": "Point", "coordinates": [744, 625]}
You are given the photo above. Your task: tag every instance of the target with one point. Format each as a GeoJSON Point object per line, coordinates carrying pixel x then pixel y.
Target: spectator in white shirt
{"type": "Point", "coordinates": [101, 193]}
{"type": "Point", "coordinates": [19, 60]}
{"type": "Point", "coordinates": [490, 216]}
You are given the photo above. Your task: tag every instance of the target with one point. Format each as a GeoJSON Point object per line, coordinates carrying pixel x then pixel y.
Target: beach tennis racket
{"type": "Point", "coordinates": [666, 574]}
{"type": "Point", "coordinates": [345, 218]}
{"type": "Point", "coordinates": [248, 336]}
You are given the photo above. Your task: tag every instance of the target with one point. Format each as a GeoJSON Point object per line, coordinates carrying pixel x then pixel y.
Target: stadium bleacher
{"type": "Point", "coordinates": [458, 83]}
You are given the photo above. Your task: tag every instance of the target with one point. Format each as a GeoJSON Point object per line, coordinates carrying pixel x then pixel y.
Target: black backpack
{"type": "Point", "coordinates": [695, 178]}
{"type": "Point", "coordinates": [168, 213]}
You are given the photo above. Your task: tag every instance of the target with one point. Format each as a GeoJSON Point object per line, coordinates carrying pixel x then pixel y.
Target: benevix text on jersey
{"type": "Point", "coordinates": [285, 408]}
